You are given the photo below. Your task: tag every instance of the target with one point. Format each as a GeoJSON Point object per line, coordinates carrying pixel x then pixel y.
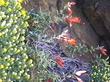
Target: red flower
{"type": "Point", "coordinates": [49, 80]}
{"type": "Point", "coordinates": [71, 4]}
{"type": "Point", "coordinates": [69, 12]}
{"type": "Point", "coordinates": [72, 42]}
{"type": "Point", "coordinates": [59, 61]}
{"type": "Point", "coordinates": [73, 20]}
{"type": "Point", "coordinates": [103, 51]}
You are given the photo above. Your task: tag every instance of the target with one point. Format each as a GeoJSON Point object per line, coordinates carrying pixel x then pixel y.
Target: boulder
{"type": "Point", "coordinates": [97, 13]}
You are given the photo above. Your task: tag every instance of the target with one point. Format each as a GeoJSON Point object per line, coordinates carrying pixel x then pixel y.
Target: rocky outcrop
{"type": "Point", "coordinates": [51, 6]}
{"type": "Point", "coordinates": [97, 13]}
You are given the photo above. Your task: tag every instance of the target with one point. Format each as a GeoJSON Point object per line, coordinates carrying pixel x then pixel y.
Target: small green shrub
{"type": "Point", "coordinates": [39, 22]}
{"type": "Point", "coordinates": [14, 61]}
{"type": "Point", "coordinates": [101, 70]}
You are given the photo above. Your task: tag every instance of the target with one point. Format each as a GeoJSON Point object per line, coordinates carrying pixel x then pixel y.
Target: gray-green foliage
{"type": "Point", "coordinates": [42, 60]}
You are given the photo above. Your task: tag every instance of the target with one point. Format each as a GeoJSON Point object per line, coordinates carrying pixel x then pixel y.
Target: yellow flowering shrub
{"type": "Point", "coordinates": [15, 64]}
{"type": "Point", "coordinates": [2, 2]}
{"type": "Point", "coordinates": [23, 12]}
{"type": "Point", "coordinates": [20, 1]}
{"type": "Point", "coordinates": [1, 80]}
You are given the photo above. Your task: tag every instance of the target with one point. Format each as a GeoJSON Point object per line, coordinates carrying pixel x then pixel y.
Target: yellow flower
{"type": "Point", "coordinates": [23, 12]}
{"type": "Point", "coordinates": [2, 2]}
{"type": "Point", "coordinates": [20, 1]}
{"type": "Point", "coordinates": [1, 66]}
{"type": "Point", "coordinates": [1, 80]}
{"type": "Point", "coordinates": [1, 34]}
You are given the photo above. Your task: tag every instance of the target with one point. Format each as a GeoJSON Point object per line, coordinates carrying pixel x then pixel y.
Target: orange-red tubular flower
{"type": "Point", "coordinates": [72, 42]}
{"type": "Point", "coordinates": [103, 51]}
{"type": "Point", "coordinates": [59, 61]}
{"type": "Point", "coordinates": [73, 20]}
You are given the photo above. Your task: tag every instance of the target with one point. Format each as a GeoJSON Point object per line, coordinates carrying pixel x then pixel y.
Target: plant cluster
{"type": "Point", "coordinates": [101, 67]}
{"type": "Point", "coordinates": [101, 70]}
{"type": "Point", "coordinates": [14, 61]}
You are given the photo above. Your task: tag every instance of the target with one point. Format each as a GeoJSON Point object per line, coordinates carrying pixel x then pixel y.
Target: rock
{"type": "Point", "coordinates": [45, 5]}
{"type": "Point", "coordinates": [97, 13]}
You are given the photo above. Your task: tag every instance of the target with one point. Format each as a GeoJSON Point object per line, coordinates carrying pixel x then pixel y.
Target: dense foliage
{"type": "Point", "coordinates": [31, 50]}
{"type": "Point", "coordinates": [14, 60]}
{"type": "Point", "coordinates": [101, 70]}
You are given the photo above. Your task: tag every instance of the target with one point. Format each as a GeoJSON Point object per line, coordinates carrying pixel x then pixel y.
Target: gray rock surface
{"type": "Point", "coordinates": [97, 13]}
